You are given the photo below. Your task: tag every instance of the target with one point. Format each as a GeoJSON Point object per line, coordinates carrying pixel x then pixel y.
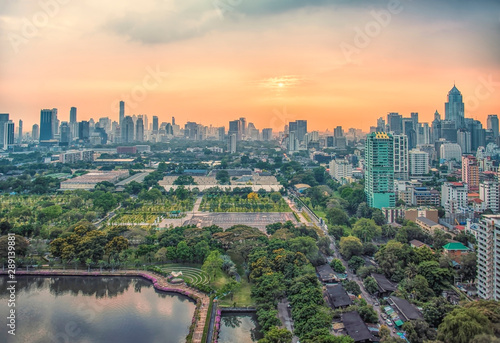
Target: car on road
{"type": "Point", "coordinates": [384, 316]}
{"type": "Point", "coordinates": [388, 321]}
{"type": "Point", "coordinates": [376, 303]}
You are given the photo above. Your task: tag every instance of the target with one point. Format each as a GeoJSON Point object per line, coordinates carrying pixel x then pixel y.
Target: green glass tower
{"type": "Point", "coordinates": [379, 177]}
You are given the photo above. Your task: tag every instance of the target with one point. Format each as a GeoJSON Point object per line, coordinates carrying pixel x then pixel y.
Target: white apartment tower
{"type": "Point", "coordinates": [488, 257]}
{"type": "Point", "coordinates": [489, 193]}
{"type": "Point", "coordinates": [401, 157]}
{"type": "Point", "coordinates": [419, 162]}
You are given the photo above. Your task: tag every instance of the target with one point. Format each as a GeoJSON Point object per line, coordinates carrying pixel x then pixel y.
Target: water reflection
{"type": "Point", "coordinates": [239, 327]}
{"type": "Point", "coordinates": [95, 309]}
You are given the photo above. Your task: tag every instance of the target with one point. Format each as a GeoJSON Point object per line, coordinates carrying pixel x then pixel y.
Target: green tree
{"type": "Point", "coordinates": [351, 286]}
{"type": "Point", "coordinates": [418, 331]}
{"type": "Point", "coordinates": [336, 231]}
{"type": "Point", "coordinates": [370, 284]}
{"type": "Point", "coordinates": [213, 263]}
{"type": "Point", "coordinates": [337, 216]}
{"type": "Point", "coordinates": [305, 245]}
{"type": "Point", "coordinates": [222, 177]}
{"type": "Point", "coordinates": [183, 252]}
{"type": "Point", "coordinates": [462, 325]}
{"type": "Point", "coordinates": [468, 266]}
{"type": "Point", "coordinates": [435, 310]}
{"type": "Point", "coordinates": [366, 229]}
{"type": "Point", "coordinates": [355, 263]}
{"type": "Point", "coordinates": [337, 265]}
{"type": "Point", "coordinates": [368, 314]}
{"type": "Point", "coordinates": [21, 246]}
{"type": "Point", "coordinates": [350, 246]}
{"type": "Point", "coordinates": [277, 335]}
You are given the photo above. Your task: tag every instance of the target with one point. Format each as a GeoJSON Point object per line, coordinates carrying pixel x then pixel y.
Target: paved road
{"type": "Point", "coordinates": [285, 317]}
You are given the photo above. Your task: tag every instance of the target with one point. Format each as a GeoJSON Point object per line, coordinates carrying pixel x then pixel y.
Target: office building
{"type": "Point", "coordinates": [488, 257]}
{"type": "Point", "coordinates": [4, 118]}
{"type": "Point", "coordinates": [400, 157]}
{"type": "Point", "coordinates": [65, 134]}
{"type": "Point", "coordinates": [46, 127]}
{"type": "Point", "coordinates": [395, 123]}
{"type": "Point", "coordinates": [35, 132]}
{"type": "Point", "coordinates": [492, 124]}
{"type": "Point", "coordinates": [243, 123]}
{"type": "Point", "coordinates": [72, 115]}
{"type": "Point", "coordinates": [235, 129]}
{"type": "Point", "coordinates": [139, 130]}
{"type": "Point", "coordinates": [128, 130]}
{"type": "Point", "coordinates": [419, 162]}
{"type": "Point", "coordinates": [267, 134]}
{"type": "Point", "coordinates": [436, 127]}
{"type": "Point", "coordinates": [454, 108]}
{"type": "Point", "coordinates": [122, 112]}
{"type": "Point", "coordinates": [470, 172]}
{"type": "Point", "coordinates": [8, 134]}
{"type": "Point", "coordinates": [20, 132]}
{"type": "Point", "coordinates": [155, 125]}
{"type": "Point", "coordinates": [84, 131]}
{"type": "Point", "coordinates": [489, 193]}
{"type": "Point", "coordinates": [464, 140]}
{"type": "Point", "coordinates": [379, 176]}
{"type": "Point", "coordinates": [338, 132]}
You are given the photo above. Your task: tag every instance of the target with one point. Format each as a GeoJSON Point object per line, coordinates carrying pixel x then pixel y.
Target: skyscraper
{"type": "Point", "coordinates": [46, 125]}
{"type": "Point", "coordinates": [20, 132]}
{"type": "Point", "coordinates": [299, 127]}
{"type": "Point", "coordinates": [436, 127]}
{"type": "Point", "coordinates": [243, 126]}
{"type": "Point", "coordinates": [235, 129]}
{"type": "Point", "coordinates": [488, 253]}
{"type": "Point", "coordinates": [84, 131]}
{"type": "Point", "coordinates": [492, 124]}
{"type": "Point", "coordinates": [72, 115]}
{"type": "Point", "coordinates": [379, 177]}
{"type": "Point", "coordinates": [267, 134]}
{"type": "Point", "coordinates": [139, 130]}
{"type": "Point", "coordinates": [400, 157]}
{"type": "Point", "coordinates": [128, 130]}
{"type": "Point", "coordinates": [35, 132]}
{"type": "Point", "coordinates": [454, 108]}
{"type": "Point", "coordinates": [8, 136]}
{"type": "Point", "coordinates": [65, 134]}
{"type": "Point", "coordinates": [338, 132]}
{"type": "Point", "coordinates": [55, 123]}
{"type": "Point", "coordinates": [395, 123]}
{"type": "Point", "coordinates": [4, 117]}
{"type": "Point", "coordinates": [470, 172]}
{"type": "Point", "coordinates": [122, 112]}
{"type": "Point", "coordinates": [231, 143]}
{"type": "Point", "coordinates": [155, 125]}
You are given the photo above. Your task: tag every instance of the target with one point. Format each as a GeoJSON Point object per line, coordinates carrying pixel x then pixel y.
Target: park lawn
{"type": "Point", "coordinates": [320, 214]}
{"type": "Point", "coordinates": [242, 297]}
{"type": "Point", "coordinates": [220, 280]}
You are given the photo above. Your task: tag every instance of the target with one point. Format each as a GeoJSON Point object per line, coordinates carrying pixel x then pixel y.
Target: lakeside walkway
{"type": "Point", "coordinates": [162, 284]}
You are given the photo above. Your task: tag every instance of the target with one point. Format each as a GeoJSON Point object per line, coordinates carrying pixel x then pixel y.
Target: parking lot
{"type": "Point", "coordinates": [226, 220]}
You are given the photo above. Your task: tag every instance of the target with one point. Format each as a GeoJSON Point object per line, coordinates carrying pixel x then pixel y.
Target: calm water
{"type": "Point", "coordinates": [239, 327]}
{"type": "Point", "coordinates": [94, 309]}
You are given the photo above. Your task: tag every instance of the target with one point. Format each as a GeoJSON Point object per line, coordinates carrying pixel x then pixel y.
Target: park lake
{"type": "Point", "coordinates": [107, 309]}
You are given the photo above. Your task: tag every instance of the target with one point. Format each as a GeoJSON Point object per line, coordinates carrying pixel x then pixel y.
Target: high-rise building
{"type": "Point", "coordinates": [55, 123]}
{"type": "Point", "coordinates": [454, 108]}
{"type": "Point", "coordinates": [4, 118]}
{"type": "Point", "coordinates": [173, 121]}
{"type": "Point", "coordinates": [299, 127]}
{"type": "Point", "coordinates": [122, 112]}
{"type": "Point", "coordinates": [423, 134]}
{"type": "Point", "coordinates": [410, 131]}
{"type": "Point", "coordinates": [489, 193]}
{"type": "Point", "coordinates": [464, 140]}
{"type": "Point", "coordinates": [381, 125]}
{"type": "Point", "coordinates": [379, 176]}
{"type": "Point", "coordinates": [477, 133]}
{"type": "Point", "coordinates": [454, 196]}
{"type": "Point", "coordinates": [65, 134]}
{"type": "Point", "coordinates": [128, 130]}
{"type": "Point", "coordinates": [470, 172]}
{"type": "Point", "coordinates": [20, 132]}
{"type": "Point", "coordinates": [231, 143]}
{"type": "Point", "coordinates": [414, 118]}
{"type": "Point", "coordinates": [46, 125]}
{"type": "Point", "coordinates": [449, 130]}
{"type": "Point", "coordinates": [341, 170]}
{"type": "Point", "coordinates": [436, 127]}
{"type": "Point", "coordinates": [72, 115]}
{"type": "Point", "coordinates": [400, 157]}
{"type": "Point", "coordinates": [8, 134]}
{"type": "Point", "coordinates": [243, 122]}
{"type": "Point", "coordinates": [35, 132]}
{"type": "Point", "coordinates": [395, 123]}
{"type": "Point", "coordinates": [84, 131]}
{"type": "Point", "coordinates": [450, 151]}
{"type": "Point", "coordinates": [155, 125]}
{"type": "Point", "coordinates": [338, 132]}
{"type": "Point", "coordinates": [492, 124]}
{"type": "Point", "coordinates": [235, 129]}
{"type": "Point", "coordinates": [488, 253]}
{"type": "Point", "coordinates": [419, 162]}
{"type": "Point", "coordinates": [267, 134]}
{"type": "Point", "coordinates": [139, 130]}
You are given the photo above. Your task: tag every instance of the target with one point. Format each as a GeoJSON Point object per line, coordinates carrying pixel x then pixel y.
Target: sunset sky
{"type": "Point", "coordinates": [338, 62]}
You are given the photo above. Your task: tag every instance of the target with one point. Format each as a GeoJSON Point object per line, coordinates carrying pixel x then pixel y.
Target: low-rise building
{"type": "Point", "coordinates": [455, 250]}
{"type": "Point", "coordinates": [91, 179]}
{"type": "Point", "coordinates": [428, 225]}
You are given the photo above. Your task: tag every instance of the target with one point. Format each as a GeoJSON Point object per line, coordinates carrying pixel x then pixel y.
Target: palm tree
{"type": "Point", "coordinates": [89, 263]}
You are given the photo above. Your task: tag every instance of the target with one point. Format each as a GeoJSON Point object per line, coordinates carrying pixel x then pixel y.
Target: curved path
{"type": "Point", "coordinates": [200, 314]}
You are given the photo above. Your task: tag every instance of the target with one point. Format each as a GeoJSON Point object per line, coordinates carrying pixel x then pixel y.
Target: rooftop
{"type": "Point", "coordinates": [408, 310]}
{"type": "Point", "coordinates": [356, 327]}
{"type": "Point", "coordinates": [338, 296]}
{"type": "Point", "coordinates": [383, 283]}
{"type": "Point", "coordinates": [455, 246]}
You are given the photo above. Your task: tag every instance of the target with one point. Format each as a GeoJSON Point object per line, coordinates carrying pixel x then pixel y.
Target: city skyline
{"type": "Point", "coordinates": [196, 60]}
